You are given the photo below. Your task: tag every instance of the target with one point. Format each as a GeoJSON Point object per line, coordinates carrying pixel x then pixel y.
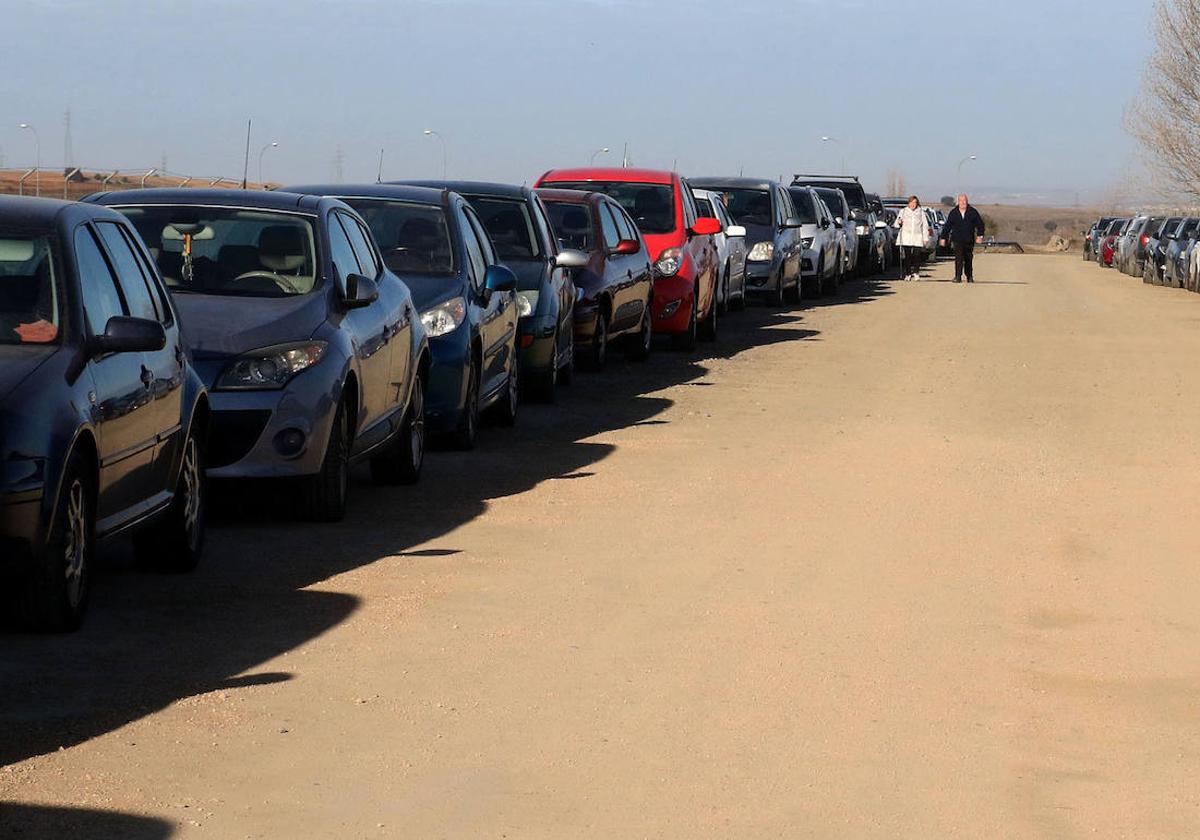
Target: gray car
{"type": "Point", "coordinates": [310, 347]}
{"type": "Point", "coordinates": [764, 208]}
{"type": "Point", "coordinates": [823, 267]}
{"type": "Point", "coordinates": [731, 250]}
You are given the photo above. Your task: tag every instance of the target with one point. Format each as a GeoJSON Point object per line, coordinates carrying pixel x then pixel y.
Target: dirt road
{"type": "Point", "coordinates": [916, 563]}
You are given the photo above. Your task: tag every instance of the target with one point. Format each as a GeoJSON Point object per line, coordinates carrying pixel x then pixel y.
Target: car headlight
{"type": "Point", "coordinates": [807, 241]}
{"type": "Point", "coordinates": [861, 230]}
{"type": "Point", "coordinates": [669, 262]}
{"type": "Point", "coordinates": [762, 251]}
{"type": "Point", "coordinates": [444, 318]}
{"type": "Point", "coordinates": [526, 303]}
{"type": "Point", "coordinates": [270, 368]}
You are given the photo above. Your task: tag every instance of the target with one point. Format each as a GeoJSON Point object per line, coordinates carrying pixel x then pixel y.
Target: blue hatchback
{"type": "Point", "coordinates": [434, 241]}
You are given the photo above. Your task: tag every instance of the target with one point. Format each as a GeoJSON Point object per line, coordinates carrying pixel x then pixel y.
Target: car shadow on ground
{"type": "Point", "coordinates": [37, 821]}
{"type": "Point", "coordinates": [151, 640]}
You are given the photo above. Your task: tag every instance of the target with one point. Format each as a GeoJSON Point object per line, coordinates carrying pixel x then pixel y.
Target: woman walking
{"type": "Point", "coordinates": [914, 232]}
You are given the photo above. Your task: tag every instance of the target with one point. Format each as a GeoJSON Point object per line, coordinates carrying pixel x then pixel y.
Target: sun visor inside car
{"type": "Point", "coordinates": [16, 250]}
{"type": "Point", "coordinates": [176, 234]}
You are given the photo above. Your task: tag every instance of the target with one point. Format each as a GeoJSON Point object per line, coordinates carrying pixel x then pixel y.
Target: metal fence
{"type": "Point", "coordinates": [77, 182]}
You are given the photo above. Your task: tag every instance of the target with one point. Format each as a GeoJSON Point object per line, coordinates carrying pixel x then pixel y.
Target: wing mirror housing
{"type": "Point", "coordinates": [499, 279]}
{"type": "Point", "coordinates": [705, 227]}
{"type": "Point", "coordinates": [627, 247]}
{"type": "Point", "coordinates": [793, 222]}
{"type": "Point", "coordinates": [360, 291]}
{"type": "Point", "coordinates": [735, 230]}
{"type": "Point", "coordinates": [880, 225]}
{"type": "Point", "coordinates": [570, 258]}
{"type": "Point", "coordinates": [123, 334]}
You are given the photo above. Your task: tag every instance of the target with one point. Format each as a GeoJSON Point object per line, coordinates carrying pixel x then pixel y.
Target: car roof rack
{"type": "Point", "coordinates": [817, 175]}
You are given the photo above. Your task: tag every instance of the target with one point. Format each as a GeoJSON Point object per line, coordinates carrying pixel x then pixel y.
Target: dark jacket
{"type": "Point", "coordinates": [962, 227]}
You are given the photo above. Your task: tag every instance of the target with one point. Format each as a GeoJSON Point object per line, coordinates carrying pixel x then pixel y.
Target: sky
{"type": "Point", "coordinates": [1034, 89]}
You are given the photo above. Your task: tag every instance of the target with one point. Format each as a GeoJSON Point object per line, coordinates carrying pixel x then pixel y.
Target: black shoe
{"type": "Point", "coordinates": [957, 279]}
{"type": "Point", "coordinates": [970, 279]}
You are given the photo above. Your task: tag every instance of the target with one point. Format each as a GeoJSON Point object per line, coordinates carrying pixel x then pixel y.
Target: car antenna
{"type": "Point", "coordinates": [246, 165]}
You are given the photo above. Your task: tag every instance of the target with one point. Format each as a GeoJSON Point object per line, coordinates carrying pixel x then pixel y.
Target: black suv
{"type": "Point", "coordinates": [103, 420]}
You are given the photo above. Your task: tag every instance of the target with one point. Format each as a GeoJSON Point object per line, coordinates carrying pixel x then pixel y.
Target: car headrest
{"type": "Point", "coordinates": [575, 219]}
{"type": "Point", "coordinates": [281, 247]}
{"type": "Point", "coordinates": [16, 250]}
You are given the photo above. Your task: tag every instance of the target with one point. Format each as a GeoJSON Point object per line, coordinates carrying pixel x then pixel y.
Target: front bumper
{"type": "Point", "coordinates": [21, 529]}
{"type": "Point", "coordinates": [253, 433]}
{"type": "Point", "coordinates": [759, 275]}
{"type": "Point", "coordinates": [672, 307]}
{"type": "Point", "coordinates": [447, 388]}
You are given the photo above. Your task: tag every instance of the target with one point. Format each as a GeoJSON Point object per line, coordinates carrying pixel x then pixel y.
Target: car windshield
{"type": "Point", "coordinates": [510, 226]}
{"type": "Point", "coordinates": [805, 209]}
{"type": "Point", "coordinates": [652, 206]}
{"type": "Point", "coordinates": [574, 224]}
{"type": "Point", "coordinates": [228, 251]}
{"type": "Point", "coordinates": [29, 304]}
{"type": "Point", "coordinates": [856, 196]}
{"type": "Point", "coordinates": [748, 206]}
{"type": "Point", "coordinates": [413, 238]}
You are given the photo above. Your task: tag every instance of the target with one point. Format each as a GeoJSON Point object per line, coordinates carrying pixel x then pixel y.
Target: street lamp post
{"type": "Point", "coordinates": [429, 132]}
{"type": "Point", "coordinates": [37, 169]}
{"type": "Point", "coordinates": [964, 160]}
{"type": "Point", "coordinates": [272, 145]}
{"type": "Point", "coordinates": [603, 151]}
{"type": "Point", "coordinates": [825, 138]}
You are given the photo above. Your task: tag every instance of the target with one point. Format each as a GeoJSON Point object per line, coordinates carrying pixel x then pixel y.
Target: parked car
{"type": "Point", "coordinates": [615, 287]}
{"type": "Point", "coordinates": [520, 232]}
{"type": "Point", "coordinates": [466, 299]}
{"type": "Point", "coordinates": [859, 221]}
{"type": "Point", "coordinates": [1092, 234]}
{"type": "Point", "coordinates": [773, 238]}
{"type": "Point", "coordinates": [885, 238]}
{"type": "Point", "coordinates": [823, 265]}
{"type": "Point", "coordinates": [1156, 249]}
{"type": "Point", "coordinates": [1178, 253]}
{"type": "Point", "coordinates": [680, 240]}
{"type": "Point", "coordinates": [310, 347]}
{"type": "Point", "coordinates": [731, 250]}
{"type": "Point", "coordinates": [103, 418]}
{"type": "Point", "coordinates": [1132, 246]}
{"type": "Point", "coordinates": [935, 232]}
{"type": "Point", "coordinates": [838, 209]}
{"type": "Point", "coordinates": [1109, 240]}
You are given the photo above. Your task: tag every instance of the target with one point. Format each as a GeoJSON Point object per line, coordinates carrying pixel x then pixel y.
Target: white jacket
{"type": "Point", "coordinates": [914, 227]}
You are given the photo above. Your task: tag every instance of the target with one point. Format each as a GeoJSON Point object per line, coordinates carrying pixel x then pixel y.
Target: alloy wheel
{"type": "Point", "coordinates": [75, 550]}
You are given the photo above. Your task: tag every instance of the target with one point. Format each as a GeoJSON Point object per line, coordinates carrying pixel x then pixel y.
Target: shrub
{"type": "Point", "coordinates": [1051, 226]}
{"type": "Point", "coordinates": [948, 201]}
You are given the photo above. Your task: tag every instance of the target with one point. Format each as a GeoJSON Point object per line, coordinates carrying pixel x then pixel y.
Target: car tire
{"type": "Point", "coordinates": [724, 291]}
{"type": "Point", "coordinates": [326, 492]}
{"type": "Point", "coordinates": [467, 431]}
{"type": "Point", "coordinates": [777, 297]}
{"type": "Point", "coordinates": [402, 463]}
{"type": "Point", "coordinates": [707, 329]}
{"type": "Point", "coordinates": [176, 541]}
{"type": "Point", "coordinates": [643, 340]}
{"type": "Point", "coordinates": [686, 340]}
{"type": "Point", "coordinates": [56, 592]}
{"type": "Point", "coordinates": [543, 386]}
{"type": "Point", "coordinates": [796, 293]}
{"type": "Point", "coordinates": [566, 373]}
{"type": "Point", "coordinates": [738, 304]}
{"type": "Point", "coordinates": [506, 409]}
{"type": "Point", "coordinates": [596, 357]}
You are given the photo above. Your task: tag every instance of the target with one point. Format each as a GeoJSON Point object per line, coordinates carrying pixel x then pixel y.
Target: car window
{"type": "Point", "coordinates": [361, 245]}
{"type": "Point", "coordinates": [749, 206]}
{"type": "Point", "coordinates": [509, 226]}
{"type": "Point", "coordinates": [129, 273]}
{"type": "Point", "coordinates": [476, 263]}
{"type": "Point", "coordinates": [485, 241]}
{"type": "Point", "coordinates": [689, 205]}
{"type": "Point", "coordinates": [340, 250]}
{"type": "Point", "coordinates": [543, 222]}
{"type": "Point", "coordinates": [625, 228]}
{"type": "Point", "coordinates": [157, 290]}
{"type": "Point", "coordinates": [101, 299]}
{"type": "Point", "coordinates": [805, 209]}
{"type": "Point", "coordinates": [652, 206]}
{"type": "Point", "coordinates": [609, 227]}
{"type": "Point", "coordinates": [704, 208]}
{"type": "Point", "coordinates": [29, 292]}
{"type": "Point", "coordinates": [413, 237]}
{"type": "Point", "coordinates": [573, 224]}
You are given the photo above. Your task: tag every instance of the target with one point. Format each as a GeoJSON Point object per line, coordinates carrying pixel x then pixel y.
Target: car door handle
{"type": "Point", "coordinates": [147, 376]}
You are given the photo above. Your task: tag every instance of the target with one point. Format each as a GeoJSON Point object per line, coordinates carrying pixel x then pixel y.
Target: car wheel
{"type": "Point", "coordinates": [506, 409]}
{"type": "Point", "coordinates": [56, 592]}
{"type": "Point", "coordinates": [404, 459]}
{"type": "Point", "coordinates": [687, 340]}
{"type": "Point", "coordinates": [544, 385]}
{"type": "Point", "coordinates": [327, 490]}
{"type": "Point", "coordinates": [738, 304]}
{"type": "Point", "coordinates": [777, 297]}
{"type": "Point", "coordinates": [724, 290]}
{"type": "Point", "coordinates": [597, 353]}
{"type": "Point", "coordinates": [467, 431]}
{"type": "Point", "coordinates": [566, 373]}
{"type": "Point", "coordinates": [176, 541]}
{"type": "Point", "coordinates": [639, 347]}
{"type": "Point", "coordinates": [708, 329]}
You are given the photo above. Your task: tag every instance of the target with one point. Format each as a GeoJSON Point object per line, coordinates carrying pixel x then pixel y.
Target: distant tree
{"type": "Point", "coordinates": [1051, 226]}
{"type": "Point", "coordinates": [1165, 117]}
{"type": "Point", "coordinates": [948, 201]}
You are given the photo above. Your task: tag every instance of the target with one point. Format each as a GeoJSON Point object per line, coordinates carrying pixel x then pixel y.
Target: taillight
{"type": "Point", "coordinates": [1145, 239]}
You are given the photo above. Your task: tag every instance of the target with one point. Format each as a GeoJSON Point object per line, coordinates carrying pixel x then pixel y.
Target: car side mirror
{"type": "Point", "coordinates": [735, 230]}
{"type": "Point", "coordinates": [706, 226]}
{"type": "Point", "coordinates": [880, 225]}
{"type": "Point", "coordinates": [793, 222]}
{"type": "Point", "coordinates": [627, 247]}
{"type": "Point", "coordinates": [360, 291]}
{"type": "Point", "coordinates": [123, 334]}
{"type": "Point", "coordinates": [825, 224]}
{"type": "Point", "coordinates": [497, 278]}
{"type": "Point", "coordinates": [570, 258]}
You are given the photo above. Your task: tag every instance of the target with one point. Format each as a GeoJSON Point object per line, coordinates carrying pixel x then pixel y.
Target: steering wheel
{"type": "Point", "coordinates": [283, 282]}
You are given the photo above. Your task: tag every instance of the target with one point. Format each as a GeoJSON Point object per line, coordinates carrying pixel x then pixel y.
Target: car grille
{"type": "Point", "coordinates": [234, 434]}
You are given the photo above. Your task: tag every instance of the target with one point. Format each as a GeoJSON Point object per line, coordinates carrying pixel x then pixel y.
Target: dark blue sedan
{"type": "Point", "coordinates": [103, 420]}
{"type": "Point", "coordinates": [437, 244]}
{"type": "Point", "coordinates": [311, 348]}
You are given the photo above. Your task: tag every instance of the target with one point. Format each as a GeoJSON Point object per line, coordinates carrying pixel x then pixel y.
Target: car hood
{"type": "Point", "coordinates": [222, 325]}
{"type": "Point", "coordinates": [19, 361]}
{"type": "Point", "coordinates": [759, 233]}
{"type": "Point", "coordinates": [431, 289]}
{"type": "Point", "coordinates": [659, 242]}
{"type": "Point", "coordinates": [531, 274]}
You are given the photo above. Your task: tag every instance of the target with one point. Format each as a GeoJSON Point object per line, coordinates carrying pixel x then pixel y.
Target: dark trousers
{"type": "Point", "coordinates": [910, 259]}
{"type": "Point", "coordinates": [964, 261]}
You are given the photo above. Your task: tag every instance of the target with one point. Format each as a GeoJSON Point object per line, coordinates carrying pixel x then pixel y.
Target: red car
{"type": "Point", "coordinates": [1108, 244]}
{"type": "Point", "coordinates": [680, 242]}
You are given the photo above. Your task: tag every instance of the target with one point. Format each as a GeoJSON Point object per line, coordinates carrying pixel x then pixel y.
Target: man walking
{"type": "Point", "coordinates": [964, 229]}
